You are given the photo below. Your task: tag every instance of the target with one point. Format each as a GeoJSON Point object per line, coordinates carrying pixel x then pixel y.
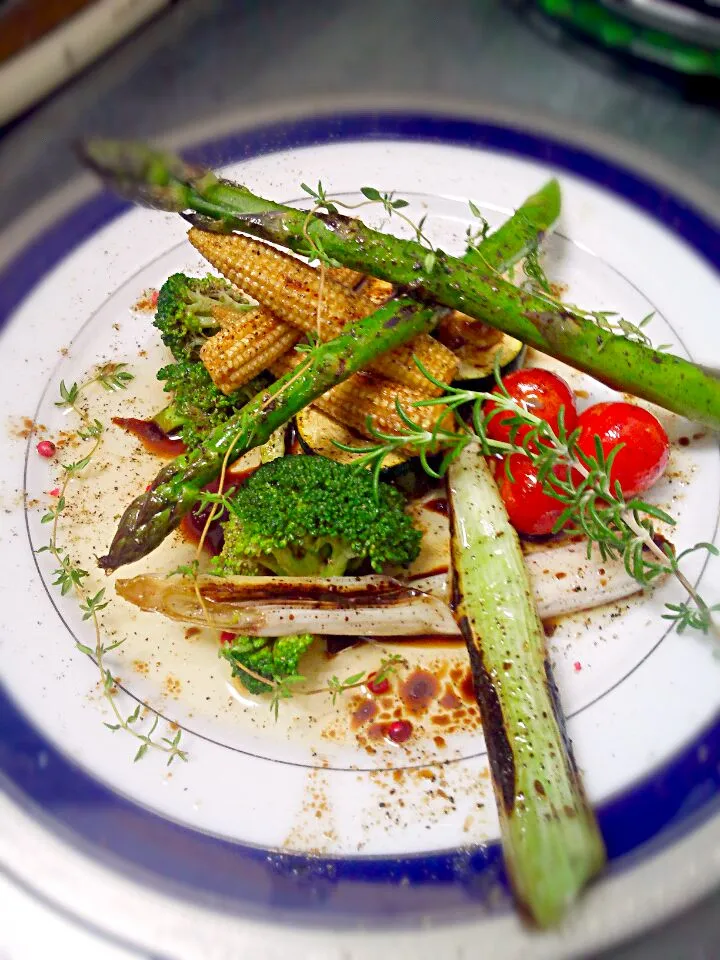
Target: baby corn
{"type": "Point", "coordinates": [245, 347]}
{"type": "Point", "coordinates": [290, 289]}
{"type": "Point", "coordinates": [366, 395]}
{"type": "Point", "coordinates": [226, 316]}
{"type": "Point", "coordinates": [370, 287]}
{"type": "Point", "coordinates": [345, 276]}
{"type": "Point", "coordinates": [376, 290]}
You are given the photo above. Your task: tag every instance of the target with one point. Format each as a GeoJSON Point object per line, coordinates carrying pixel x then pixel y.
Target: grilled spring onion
{"type": "Point", "coordinates": [368, 606]}
{"type": "Point", "coordinates": [271, 606]}
{"type": "Point", "coordinates": [551, 840]}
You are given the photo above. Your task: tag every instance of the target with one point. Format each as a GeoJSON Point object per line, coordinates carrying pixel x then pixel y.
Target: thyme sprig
{"type": "Point", "coordinates": [594, 505]}
{"type": "Point", "coordinates": [392, 206]}
{"type": "Point", "coordinates": [283, 687]}
{"type": "Point", "coordinates": [607, 320]}
{"type": "Point", "coordinates": [309, 344]}
{"type": "Point", "coordinates": [70, 576]}
{"type": "Point", "coordinates": [476, 234]}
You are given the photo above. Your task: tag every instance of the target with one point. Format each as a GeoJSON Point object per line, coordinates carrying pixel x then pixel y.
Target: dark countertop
{"type": "Point", "coordinates": [205, 57]}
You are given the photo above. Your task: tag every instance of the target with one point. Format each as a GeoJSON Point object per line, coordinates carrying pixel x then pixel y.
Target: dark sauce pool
{"type": "Point", "coordinates": [155, 440]}
{"type": "Point", "coordinates": [193, 523]}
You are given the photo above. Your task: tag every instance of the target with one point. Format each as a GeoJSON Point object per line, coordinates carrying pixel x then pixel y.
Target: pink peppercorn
{"type": "Point", "coordinates": [399, 731]}
{"type": "Point", "coordinates": [55, 492]}
{"type": "Point", "coordinates": [577, 666]}
{"type": "Point", "coordinates": [46, 448]}
{"type": "Point", "coordinates": [226, 636]}
{"type": "Point", "coordinates": [377, 687]}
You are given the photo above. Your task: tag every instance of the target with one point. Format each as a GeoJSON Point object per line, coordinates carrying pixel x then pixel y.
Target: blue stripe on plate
{"type": "Point", "coordinates": [256, 882]}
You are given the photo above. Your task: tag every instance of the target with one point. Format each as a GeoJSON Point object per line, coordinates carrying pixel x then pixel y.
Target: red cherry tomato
{"type": "Point", "coordinates": [646, 448]}
{"type": "Point", "coordinates": [540, 392]}
{"type": "Point", "coordinates": [531, 510]}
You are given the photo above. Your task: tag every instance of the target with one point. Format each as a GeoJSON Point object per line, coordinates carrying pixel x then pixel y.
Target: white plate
{"type": "Point", "coordinates": [299, 823]}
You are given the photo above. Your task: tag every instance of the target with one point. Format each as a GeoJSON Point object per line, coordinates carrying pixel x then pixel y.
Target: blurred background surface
{"type": "Point", "coordinates": [200, 58]}
{"type": "Point", "coordinates": [155, 65]}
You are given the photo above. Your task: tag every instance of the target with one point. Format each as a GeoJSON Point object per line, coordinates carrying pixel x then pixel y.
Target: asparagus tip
{"type": "Point", "coordinates": [138, 172]}
{"type": "Point", "coordinates": [207, 224]}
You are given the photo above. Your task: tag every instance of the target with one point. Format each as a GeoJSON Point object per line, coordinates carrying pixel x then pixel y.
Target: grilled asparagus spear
{"type": "Point", "coordinates": [154, 514]}
{"type": "Point", "coordinates": [166, 182]}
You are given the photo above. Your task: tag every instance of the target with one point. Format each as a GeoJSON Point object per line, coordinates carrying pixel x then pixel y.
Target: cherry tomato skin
{"type": "Point", "coordinates": [542, 393]}
{"type": "Point", "coordinates": [646, 448]}
{"type": "Point", "coordinates": [531, 511]}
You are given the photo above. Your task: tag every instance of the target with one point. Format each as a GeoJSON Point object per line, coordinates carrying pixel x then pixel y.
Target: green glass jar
{"type": "Point", "coordinates": [675, 36]}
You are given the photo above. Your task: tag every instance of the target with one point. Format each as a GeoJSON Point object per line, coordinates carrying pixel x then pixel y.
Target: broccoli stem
{"type": "Point", "coordinates": [550, 837]}
{"type": "Point", "coordinates": [165, 181]}
{"type": "Point", "coordinates": [154, 514]}
{"type": "Point", "coordinates": [285, 563]}
{"type": "Point", "coordinates": [168, 419]}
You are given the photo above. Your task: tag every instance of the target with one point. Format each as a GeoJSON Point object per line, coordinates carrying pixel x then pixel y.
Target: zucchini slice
{"type": "Point", "coordinates": [275, 446]}
{"type": "Point", "coordinates": [317, 431]}
{"type": "Point", "coordinates": [477, 364]}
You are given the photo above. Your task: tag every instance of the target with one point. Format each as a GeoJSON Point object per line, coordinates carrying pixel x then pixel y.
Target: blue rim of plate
{"type": "Point", "coordinates": [260, 883]}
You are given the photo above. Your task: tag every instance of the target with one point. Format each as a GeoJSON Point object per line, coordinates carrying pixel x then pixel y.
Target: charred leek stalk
{"type": "Point", "coordinates": [550, 837]}
{"type": "Point", "coordinates": [270, 606]}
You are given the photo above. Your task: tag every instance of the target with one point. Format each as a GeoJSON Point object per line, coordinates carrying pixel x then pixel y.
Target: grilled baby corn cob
{"type": "Point", "coordinates": [290, 289]}
{"type": "Point", "coordinates": [379, 291]}
{"type": "Point", "coordinates": [345, 276]}
{"type": "Point", "coordinates": [366, 395]}
{"type": "Point", "coordinates": [245, 346]}
{"type": "Point", "coordinates": [376, 290]}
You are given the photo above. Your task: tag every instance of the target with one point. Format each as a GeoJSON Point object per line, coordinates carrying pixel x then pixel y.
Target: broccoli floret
{"type": "Point", "coordinates": [185, 320]}
{"type": "Point", "coordinates": [311, 516]}
{"type": "Point", "coordinates": [184, 311]}
{"type": "Point", "coordinates": [197, 405]}
{"type": "Point", "coordinates": [274, 658]}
